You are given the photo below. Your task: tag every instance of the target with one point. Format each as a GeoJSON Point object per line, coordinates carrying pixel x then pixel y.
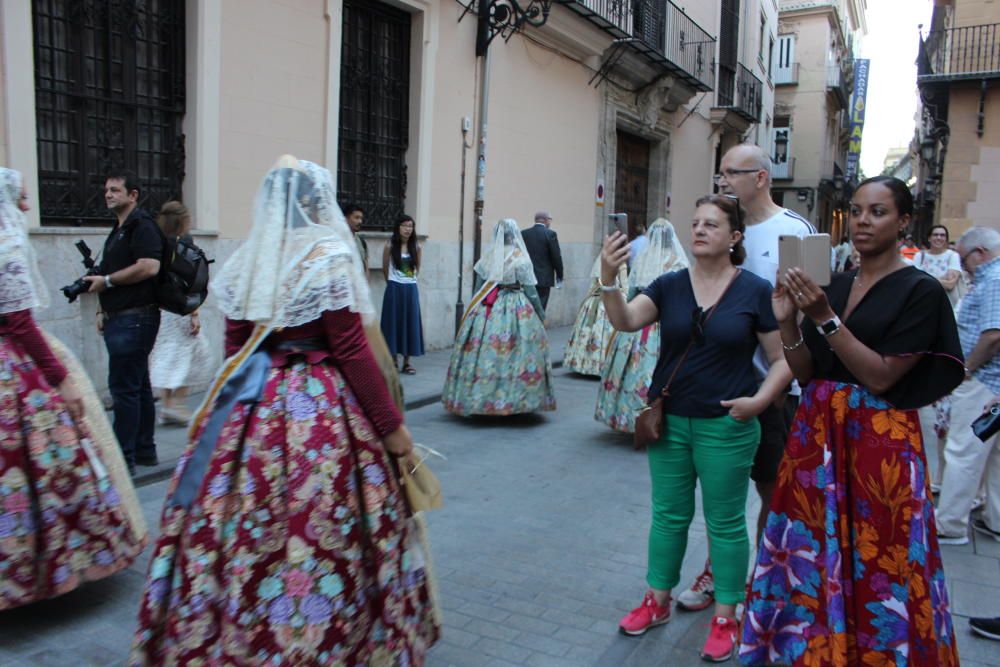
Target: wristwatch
{"type": "Point", "coordinates": [107, 282]}
{"type": "Point", "coordinates": [830, 327]}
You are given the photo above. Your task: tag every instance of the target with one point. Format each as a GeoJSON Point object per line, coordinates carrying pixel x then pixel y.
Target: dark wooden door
{"type": "Point", "coordinates": [632, 179]}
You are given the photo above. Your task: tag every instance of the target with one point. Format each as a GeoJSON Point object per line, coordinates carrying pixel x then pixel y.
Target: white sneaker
{"type": "Point", "coordinates": [701, 593]}
{"type": "Point", "coordinates": [953, 541]}
{"type": "Point", "coordinates": [978, 503]}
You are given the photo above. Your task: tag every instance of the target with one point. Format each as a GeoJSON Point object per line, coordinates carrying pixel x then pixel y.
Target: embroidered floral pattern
{"type": "Point", "coordinates": [500, 362]}
{"type": "Point", "coordinates": [61, 524]}
{"type": "Point", "coordinates": [848, 570]}
{"type": "Point", "coordinates": [628, 370]}
{"type": "Point", "coordinates": [296, 550]}
{"type": "Point", "coordinates": [588, 342]}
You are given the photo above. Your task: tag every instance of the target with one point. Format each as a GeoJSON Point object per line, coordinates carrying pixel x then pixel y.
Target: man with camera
{"type": "Point", "coordinates": [129, 317]}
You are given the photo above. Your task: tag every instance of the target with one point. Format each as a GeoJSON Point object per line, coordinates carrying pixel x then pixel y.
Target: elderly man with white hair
{"type": "Point", "coordinates": [543, 248]}
{"type": "Point", "coordinates": [967, 459]}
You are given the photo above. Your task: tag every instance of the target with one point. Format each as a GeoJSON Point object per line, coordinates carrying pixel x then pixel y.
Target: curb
{"type": "Point", "coordinates": [166, 469]}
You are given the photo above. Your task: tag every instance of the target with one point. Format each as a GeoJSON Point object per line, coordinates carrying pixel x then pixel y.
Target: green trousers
{"type": "Point", "coordinates": [719, 452]}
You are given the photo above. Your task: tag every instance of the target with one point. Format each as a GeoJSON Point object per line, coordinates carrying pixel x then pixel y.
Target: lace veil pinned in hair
{"type": "Point", "coordinates": [506, 260]}
{"type": "Point", "coordinates": [21, 284]}
{"type": "Point", "coordinates": [300, 258]}
{"type": "Point", "coordinates": [663, 254]}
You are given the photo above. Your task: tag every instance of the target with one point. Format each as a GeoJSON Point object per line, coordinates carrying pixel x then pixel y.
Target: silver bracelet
{"type": "Point", "coordinates": [797, 345]}
{"type": "Point", "coordinates": [608, 288]}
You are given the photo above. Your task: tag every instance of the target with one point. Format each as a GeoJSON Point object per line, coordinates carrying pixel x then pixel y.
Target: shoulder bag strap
{"type": "Point", "coordinates": [711, 311]}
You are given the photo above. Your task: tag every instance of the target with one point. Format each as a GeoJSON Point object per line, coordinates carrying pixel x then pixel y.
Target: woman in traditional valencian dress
{"type": "Point", "coordinates": [631, 358]}
{"type": "Point", "coordinates": [848, 568]}
{"type": "Point", "coordinates": [500, 362]}
{"type": "Point", "coordinates": [592, 331]}
{"type": "Point", "coordinates": [68, 512]}
{"type": "Point", "coordinates": [285, 535]}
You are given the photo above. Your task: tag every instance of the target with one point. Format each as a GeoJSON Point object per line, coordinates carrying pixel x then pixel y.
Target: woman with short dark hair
{"type": "Point", "coordinates": [712, 318]}
{"type": "Point", "coordinates": [848, 568]}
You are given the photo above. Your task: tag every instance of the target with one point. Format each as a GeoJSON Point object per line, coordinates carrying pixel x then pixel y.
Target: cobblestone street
{"type": "Point", "coordinates": [538, 552]}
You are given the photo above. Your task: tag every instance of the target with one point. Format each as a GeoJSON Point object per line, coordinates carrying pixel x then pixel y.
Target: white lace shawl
{"type": "Point", "coordinates": [21, 284]}
{"type": "Point", "coordinates": [663, 254]}
{"type": "Point", "coordinates": [300, 259]}
{"type": "Point", "coordinates": [506, 260]}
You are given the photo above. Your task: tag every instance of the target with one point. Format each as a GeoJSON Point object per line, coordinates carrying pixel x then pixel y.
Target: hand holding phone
{"type": "Point", "coordinates": [811, 253]}
{"type": "Point", "coordinates": [618, 222]}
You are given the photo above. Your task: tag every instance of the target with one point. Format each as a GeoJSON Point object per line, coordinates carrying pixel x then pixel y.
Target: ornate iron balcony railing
{"type": "Point", "coordinates": [659, 30]}
{"type": "Point", "coordinates": [972, 52]}
{"type": "Point", "coordinates": [740, 91]}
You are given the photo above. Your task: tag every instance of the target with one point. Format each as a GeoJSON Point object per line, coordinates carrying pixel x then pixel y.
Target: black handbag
{"type": "Point", "coordinates": [987, 424]}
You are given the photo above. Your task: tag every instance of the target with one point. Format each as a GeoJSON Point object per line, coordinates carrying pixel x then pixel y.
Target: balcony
{"type": "Point", "coordinates": [786, 76]}
{"type": "Point", "coordinates": [740, 92]}
{"type": "Point", "coordinates": [953, 54]}
{"type": "Point", "coordinates": [836, 83]}
{"type": "Point", "coordinates": [783, 171]}
{"type": "Point", "coordinates": [660, 32]}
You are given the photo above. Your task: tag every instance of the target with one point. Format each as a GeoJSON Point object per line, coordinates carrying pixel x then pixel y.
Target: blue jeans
{"type": "Point", "coordinates": [129, 339]}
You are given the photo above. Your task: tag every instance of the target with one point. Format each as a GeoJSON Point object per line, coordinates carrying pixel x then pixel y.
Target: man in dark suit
{"type": "Point", "coordinates": [543, 248]}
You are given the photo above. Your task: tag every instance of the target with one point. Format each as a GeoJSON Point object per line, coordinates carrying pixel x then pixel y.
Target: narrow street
{"type": "Point", "coordinates": [538, 552]}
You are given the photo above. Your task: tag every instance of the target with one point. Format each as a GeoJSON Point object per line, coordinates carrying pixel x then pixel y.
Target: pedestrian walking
{"type": "Point", "coordinates": [745, 172]}
{"type": "Point", "coordinates": [848, 570]}
{"type": "Point", "coordinates": [542, 244]}
{"type": "Point", "coordinates": [68, 512]}
{"type": "Point", "coordinates": [500, 362]}
{"type": "Point", "coordinates": [944, 264]}
{"type": "Point", "coordinates": [285, 535]}
{"type": "Point", "coordinates": [638, 243]}
{"type": "Point", "coordinates": [712, 318]}
{"type": "Point", "coordinates": [402, 327]}
{"type": "Point", "coordinates": [181, 357]}
{"type": "Point", "coordinates": [967, 459]}
{"type": "Point", "coordinates": [592, 331]}
{"type": "Point", "coordinates": [130, 317]}
{"type": "Point", "coordinates": [355, 216]}
{"type": "Point", "coordinates": [632, 355]}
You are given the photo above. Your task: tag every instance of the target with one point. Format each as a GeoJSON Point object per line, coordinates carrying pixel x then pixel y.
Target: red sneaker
{"type": "Point", "coordinates": [645, 616]}
{"type": "Point", "coordinates": [721, 642]}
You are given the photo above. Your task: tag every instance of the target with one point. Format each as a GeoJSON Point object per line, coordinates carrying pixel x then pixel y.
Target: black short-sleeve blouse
{"type": "Point", "coordinates": [906, 312]}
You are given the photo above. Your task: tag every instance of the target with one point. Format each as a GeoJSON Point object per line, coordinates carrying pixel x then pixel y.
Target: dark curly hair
{"type": "Point", "coordinates": [730, 205]}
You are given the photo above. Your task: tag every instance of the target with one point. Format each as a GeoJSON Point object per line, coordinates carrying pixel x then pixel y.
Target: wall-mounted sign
{"type": "Point", "coordinates": [600, 192]}
{"type": "Point", "coordinates": [858, 100]}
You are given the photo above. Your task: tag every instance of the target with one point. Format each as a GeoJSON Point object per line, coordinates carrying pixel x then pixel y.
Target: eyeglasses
{"type": "Point", "coordinates": [739, 210]}
{"type": "Point", "coordinates": [698, 325]}
{"type": "Point", "coordinates": [963, 258]}
{"type": "Point", "coordinates": [729, 173]}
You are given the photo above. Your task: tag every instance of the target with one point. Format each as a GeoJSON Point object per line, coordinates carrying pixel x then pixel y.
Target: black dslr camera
{"type": "Point", "coordinates": [80, 285]}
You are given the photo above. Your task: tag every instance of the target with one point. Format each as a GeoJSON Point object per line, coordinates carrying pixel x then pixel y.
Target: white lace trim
{"type": "Point", "coordinates": [21, 284]}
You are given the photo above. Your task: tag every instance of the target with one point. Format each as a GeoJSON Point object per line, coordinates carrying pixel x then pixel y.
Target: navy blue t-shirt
{"type": "Point", "coordinates": [721, 368]}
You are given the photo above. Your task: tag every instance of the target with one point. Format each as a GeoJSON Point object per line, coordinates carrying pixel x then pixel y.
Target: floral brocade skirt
{"type": "Point", "coordinates": [628, 370]}
{"type": "Point", "coordinates": [296, 548]}
{"type": "Point", "coordinates": [500, 362]}
{"type": "Point", "coordinates": [848, 570]}
{"type": "Point", "coordinates": [62, 519]}
{"type": "Point", "coordinates": [588, 343]}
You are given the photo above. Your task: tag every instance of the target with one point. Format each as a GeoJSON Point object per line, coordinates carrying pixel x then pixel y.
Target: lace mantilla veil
{"type": "Point", "coordinates": [506, 261]}
{"type": "Point", "coordinates": [300, 258]}
{"type": "Point", "coordinates": [21, 284]}
{"type": "Point", "coordinates": [663, 254]}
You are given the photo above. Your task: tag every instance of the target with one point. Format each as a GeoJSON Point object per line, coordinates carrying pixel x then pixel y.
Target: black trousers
{"type": "Point", "coordinates": [543, 295]}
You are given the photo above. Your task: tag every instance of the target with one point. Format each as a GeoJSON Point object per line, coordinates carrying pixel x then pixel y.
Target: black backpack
{"type": "Point", "coordinates": [183, 281]}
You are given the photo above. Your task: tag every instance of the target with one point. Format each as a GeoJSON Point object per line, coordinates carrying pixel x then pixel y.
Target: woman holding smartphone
{"type": "Point", "coordinates": [848, 569]}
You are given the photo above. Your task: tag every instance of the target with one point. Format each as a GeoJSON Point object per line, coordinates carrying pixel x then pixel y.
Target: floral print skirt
{"type": "Point", "coordinates": [588, 343]}
{"type": "Point", "coordinates": [62, 522]}
{"type": "Point", "coordinates": [628, 370]}
{"type": "Point", "coordinates": [500, 362]}
{"type": "Point", "coordinates": [848, 569]}
{"type": "Point", "coordinates": [296, 548]}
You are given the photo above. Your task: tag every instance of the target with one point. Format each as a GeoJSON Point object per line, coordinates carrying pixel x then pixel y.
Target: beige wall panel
{"type": "Point", "coordinates": [542, 151]}
{"type": "Point", "coordinates": [272, 97]}
{"type": "Point", "coordinates": [976, 12]}
{"type": "Point", "coordinates": [692, 164]}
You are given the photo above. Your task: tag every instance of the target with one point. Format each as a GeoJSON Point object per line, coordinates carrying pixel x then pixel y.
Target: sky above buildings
{"type": "Point", "coordinates": [891, 45]}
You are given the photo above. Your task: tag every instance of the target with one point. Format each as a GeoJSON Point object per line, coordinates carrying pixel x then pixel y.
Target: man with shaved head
{"type": "Point", "coordinates": [745, 173]}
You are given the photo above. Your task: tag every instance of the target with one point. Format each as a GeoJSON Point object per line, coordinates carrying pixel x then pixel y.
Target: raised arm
{"type": "Point", "coordinates": [638, 312]}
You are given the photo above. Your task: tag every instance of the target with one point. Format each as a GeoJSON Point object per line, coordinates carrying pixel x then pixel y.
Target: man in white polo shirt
{"type": "Point", "coordinates": [745, 172]}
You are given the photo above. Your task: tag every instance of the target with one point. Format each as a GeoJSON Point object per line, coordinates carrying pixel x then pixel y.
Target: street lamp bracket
{"type": "Point", "coordinates": [505, 17]}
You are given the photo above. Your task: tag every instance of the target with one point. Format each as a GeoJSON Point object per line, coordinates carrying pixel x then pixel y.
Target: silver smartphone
{"type": "Point", "coordinates": [618, 222]}
{"type": "Point", "coordinates": [811, 253]}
